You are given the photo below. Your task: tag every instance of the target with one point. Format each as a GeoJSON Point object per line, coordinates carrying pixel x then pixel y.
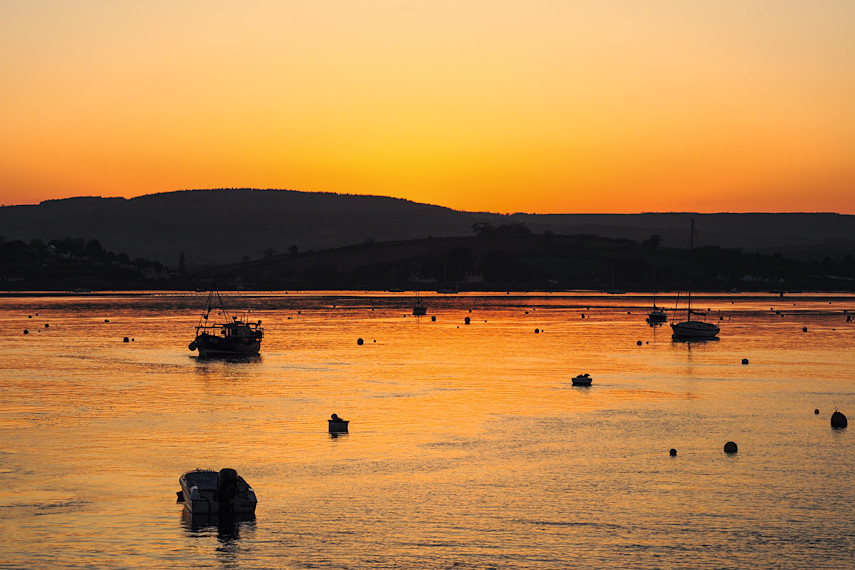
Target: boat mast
{"type": "Point", "coordinates": [691, 267]}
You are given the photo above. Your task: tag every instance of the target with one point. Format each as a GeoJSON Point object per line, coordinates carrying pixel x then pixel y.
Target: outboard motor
{"type": "Point", "coordinates": [227, 487]}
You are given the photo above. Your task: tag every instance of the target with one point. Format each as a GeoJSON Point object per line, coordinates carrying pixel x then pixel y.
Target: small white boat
{"type": "Point", "coordinates": [582, 380]}
{"type": "Point", "coordinates": [221, 492]}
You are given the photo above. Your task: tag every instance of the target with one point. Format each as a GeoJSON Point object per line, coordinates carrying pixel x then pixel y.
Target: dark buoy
{"type": "Point", "coordinates": [638, 343]}
{"type": "Point", "coordinates": [46, 325]}
{"type": "Point", "coordinates": [672, 452]}
{"type": "Point", "coordinates": [192, 346]}
{"type": "Point", "coordinates": [816, 412]}
{"type": "Point", "coordinates": [433, 318]}
{"type": "Point", "coordinates": [730, 447]}
{"type": "Point", "coordinates": [126, 339]}
{"type": "Point", "coordinates": [466, 320]}
{"type": "Point", "coordinates": [26, 331]}
{"type": "Point", "coordinates": [583, 315]}
{"type": "Point", "coordinates": [838, 420]}
{"type": "Point", "coordinates": [804, 329]}
{"type": "Point", "coordinates": [359, 341]}
{"type": "Point", "coordinates": [106, 320]}
{"type": "Point", "coordinates": [744, 361]}
{"type": "Point", "coordinates": [536, 331]}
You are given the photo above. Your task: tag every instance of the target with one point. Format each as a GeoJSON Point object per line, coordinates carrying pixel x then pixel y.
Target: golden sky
{"type": "Point", "coordinates": [506, 106]}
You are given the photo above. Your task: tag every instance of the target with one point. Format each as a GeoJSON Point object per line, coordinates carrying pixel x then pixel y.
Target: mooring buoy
{"type": "Point", "coordinates": [744, 361]}
{"type": "Point", "coordinates": [672, 452]}
{"type": "Point", "coordinates": [730, 447]}
{"type": "Point", "coordinates": [838, 420]}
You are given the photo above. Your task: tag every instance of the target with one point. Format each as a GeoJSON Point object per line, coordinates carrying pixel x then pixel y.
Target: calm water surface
{"type": "Point", "coordinates": [468, 446]}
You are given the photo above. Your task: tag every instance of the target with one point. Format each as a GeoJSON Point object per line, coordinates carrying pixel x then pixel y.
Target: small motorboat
{"type": "Point", "coordinates": [222, 492]}
{"type": "Point", "coordinates": [337, 425]}
{"type": "Point", "coordinates": [657, 315]}
{"type": "Point", "coordinates": [582, 380]}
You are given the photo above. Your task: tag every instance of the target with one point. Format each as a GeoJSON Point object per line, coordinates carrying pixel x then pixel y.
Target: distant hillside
{"type": "Point", "coordinates": [226, 226]}
{"type": "Point", "coordinates": [510, 257]}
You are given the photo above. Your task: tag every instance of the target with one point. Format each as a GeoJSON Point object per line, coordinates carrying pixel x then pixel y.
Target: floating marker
{"type": "Point", "coordinates": [536, 331]}
{"type": "Point", "coordinates": [466, 320]}
{"type": "Point", "coordinates": [804, 329]}
{"type": "Point", "coordinates": [730, 447]}
{"type": "Point", "coordinates": [359, 341]}
{"type": "Point", "coordinates": [744, 361]}
{"type": "Point", "coordinates": [838, 420]}
{"type": "Point", "coordinates": [638, 343]}
{"type": "Point", "coordinates": [672, 452]}
{"type": "Point", "coordinates": [816, 411]}
{"type": "Point", "coordinates": [126, 339]}
{"type": "Point", "coordinates": [433, 318]}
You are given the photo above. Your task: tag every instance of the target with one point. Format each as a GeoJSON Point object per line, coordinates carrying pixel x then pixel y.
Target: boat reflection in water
{"type": "Point", "coordinates": [228, 528]}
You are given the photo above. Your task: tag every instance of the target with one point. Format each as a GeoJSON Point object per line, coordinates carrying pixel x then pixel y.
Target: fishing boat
{"type": "Point", "coordinates": [222, 492]}
{"type": "Point", "coordinates": [229, 337]}
{"type": "Point", "coordinates": [692, 328]}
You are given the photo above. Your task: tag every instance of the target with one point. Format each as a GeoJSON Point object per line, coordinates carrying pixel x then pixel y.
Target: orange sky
{"type": "Point", "coordinates": [538, 106]}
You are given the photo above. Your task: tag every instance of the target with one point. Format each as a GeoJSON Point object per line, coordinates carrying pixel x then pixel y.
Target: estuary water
{"type": "Point", "coordinates": [468, 447]}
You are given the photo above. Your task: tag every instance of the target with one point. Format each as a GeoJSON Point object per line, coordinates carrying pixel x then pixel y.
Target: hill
{"type": "Point", "coordinates": [511, 257]}
{"type": "Point", "coordinates": [213, 227]}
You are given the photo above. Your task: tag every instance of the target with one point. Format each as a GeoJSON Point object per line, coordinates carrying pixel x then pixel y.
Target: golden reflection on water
{"type": "Point", "coordinates": [467, 443]}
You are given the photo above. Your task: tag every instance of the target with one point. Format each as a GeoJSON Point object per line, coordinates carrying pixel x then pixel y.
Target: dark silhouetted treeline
{"type": "Point", "coordinates": [73, 263]}
{"type": "Point", "coordinates": [512, 257]}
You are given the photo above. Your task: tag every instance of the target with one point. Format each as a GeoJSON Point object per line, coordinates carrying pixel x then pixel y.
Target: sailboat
{"type": "Point", "coordinates": [656, 315]}
{"type": "Point", "coordinates": [690, 328]}
{"type": "Point", "coordinates": [419, 308]}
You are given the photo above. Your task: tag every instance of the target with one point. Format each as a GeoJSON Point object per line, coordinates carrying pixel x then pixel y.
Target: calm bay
{"type": "Point", "coordinates": [468, 446]}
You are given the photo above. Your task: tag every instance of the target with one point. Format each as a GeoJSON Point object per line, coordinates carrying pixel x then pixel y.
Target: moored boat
{"type": "Point", "coordinates": [582, 380]}
{"type": "Point", "coordinates": [230, 337]}
{"type": "Point", "coordinates": [657, 315]}
{"type": "Point", "coordinates": [222, 492]}
{"type": "Point", "coordinates": [692, 329]}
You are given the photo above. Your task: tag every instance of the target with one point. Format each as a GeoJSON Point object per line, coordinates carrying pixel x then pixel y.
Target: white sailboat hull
{"type": "Point", "coordinates": [694, 329]}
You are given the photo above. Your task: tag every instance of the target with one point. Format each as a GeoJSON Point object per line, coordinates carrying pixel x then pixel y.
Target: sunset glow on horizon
{"type": "Point", "coordinates": [540, 107]}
